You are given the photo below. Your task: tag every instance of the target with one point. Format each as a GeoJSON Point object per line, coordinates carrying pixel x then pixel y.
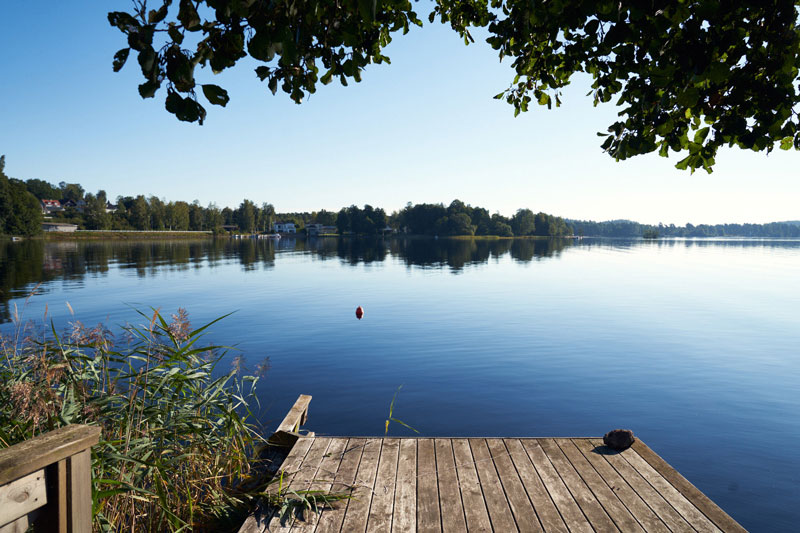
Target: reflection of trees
{"type": "Point", "coordinates": [24, 264]}
{"type": "Point", "coordinates": [21, 266]}
{"type": "Point", "coordinates": [367, 250]}
{"type": "Point", "coordinates": [459, 253]}
{"type": "Point", "coordinates": [529, 249]}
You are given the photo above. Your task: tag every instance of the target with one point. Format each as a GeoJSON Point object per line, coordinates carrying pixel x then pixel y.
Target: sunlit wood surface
{"type": "Point", "coordinates": [493, 484]}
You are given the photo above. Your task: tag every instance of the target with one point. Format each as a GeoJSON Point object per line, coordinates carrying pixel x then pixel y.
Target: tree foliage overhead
{"type": "Point", "coordinates": [690, 76]}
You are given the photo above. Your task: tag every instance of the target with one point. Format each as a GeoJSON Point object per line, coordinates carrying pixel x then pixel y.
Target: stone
{"type": "Point", "coordinates": [619, 439]}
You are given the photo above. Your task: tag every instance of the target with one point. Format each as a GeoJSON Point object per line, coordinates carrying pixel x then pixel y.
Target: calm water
{"type": "Point", "coordinates": [693, 345]}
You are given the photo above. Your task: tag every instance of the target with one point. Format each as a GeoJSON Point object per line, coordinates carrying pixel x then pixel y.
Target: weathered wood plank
{"type": "Point", "coordinates": [521, 506]}
{"type": "Point", "coordinates": [428, 513]}
{"type": "Point", "coordinates": [323, 480]}
{"type": "Point", "coordinates": [537, 493]}
{"type": "Point", "coordinates": [692, 515]}
{"type": "Point", "coordinates": [654, 500]}
{"type": "Point", "coordinates": [291, 465]}
{"type": "Point", "coordinates": [471, 494]}
{"type": "Point", "coordinates": [36, 453]}
{"type": "Point", "coordinates": [586, 500]}
{"type": "Point", "coordinates": [495, 497]}
{"type": "Point", "coordinates": [565, 503]}
{"type": "Point", "coordinates": [452, 509]}
{"type": "Point", "coordinates": [297, 415]}
{"type": "Point", "coordinates": [355, 518]}
{"type": "Point", "coordinates": [612, 505]}
{"type": "Point", "coordinates": [261, 520]}
{"type": "Point", "coordinates": [302, 480]}
{"type": "Point", "coordinates": [692, 493]}
{"type": "Point", "coordinates": [382, 508]}
{"type": "Point", "coordinates": [404, 517]}
{"type": "Point", "coordinates": [643, 514]}
{"type": "Point", "coordinates": [80, 491]}
{"type": "Point", "coordinates": [331, 519]}
{"type": "Point", "coordinates": [21, 496]}
{"type": "Point", "coordinates": [460, 485]}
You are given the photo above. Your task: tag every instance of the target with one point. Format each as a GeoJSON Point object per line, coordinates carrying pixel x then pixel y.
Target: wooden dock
{"type": "Point", "coordinates": [487, 484]}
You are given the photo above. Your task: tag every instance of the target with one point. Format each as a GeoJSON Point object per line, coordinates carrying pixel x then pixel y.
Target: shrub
{"type": "Point", "coordinates": [178, 434]}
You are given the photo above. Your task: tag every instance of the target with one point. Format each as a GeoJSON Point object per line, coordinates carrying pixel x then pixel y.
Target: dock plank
{"type": "Point", "coordinates": [380, 512]}
{"type": "Point", "coordinates": [681, 504]}
{"type": "Point", "coordinates": [565, 503]}
{"type": "Point", "coordinates": [428, 513]}
{"type": "Point", "coordinates": [657, 503]}
{"type": "Point", "coordinates": [470, 487]}
{"type": "Point", "coordinates": [496, 500]}
{"type": "Point", "coordinates": [580, 491]}
{"type": "Point", "coordinates": [302, 480]}
{"type": "Point", "coordinates": [357, 510]}
{"type": "Point", "coordinates": [262, 518]}
{"type": "Point", "coordinates": [635, 505]}
{"type": "Point", "coordinates": [331, 519]}
{"type": "Point", "coordinates": [552, 485]}
{"type": "Point", "coordinates": [453, 520]}
{"type": "Point", "coordinates": [537, 493]}
{"type": "Point", "coordinates": [404, 517]}
{"type": "Point", "coordinates": [322, 481]}
{"type": "Point", "coordinates": [612, 505]}
{"type": "Point", "coordinates": [521, 507]}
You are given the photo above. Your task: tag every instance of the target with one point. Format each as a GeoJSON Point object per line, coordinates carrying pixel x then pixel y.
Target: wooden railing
{"type": "Point", "coordinates": [47, 481]}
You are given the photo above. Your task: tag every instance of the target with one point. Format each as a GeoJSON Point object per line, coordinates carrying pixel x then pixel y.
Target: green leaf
{"type": "Point", "coordinates": [787, 143]}
{"type": "Point", "coordinates": [367, 9]}
{"type": "Point", "coordinates": [216, 94]}
{"type": "Point", "coordinates": [701, 134]}
{"type": "Point", "coordinates": [120, 58]}
{"type": "Point", "coordinates": [683, 164]}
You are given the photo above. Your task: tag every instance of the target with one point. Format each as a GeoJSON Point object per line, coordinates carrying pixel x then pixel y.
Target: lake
{"type": "Point", "coordinates": [692, 344]}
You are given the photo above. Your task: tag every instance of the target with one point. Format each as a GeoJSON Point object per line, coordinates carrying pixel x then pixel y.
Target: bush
{"type": "Point", "coordinates": [178, 435]}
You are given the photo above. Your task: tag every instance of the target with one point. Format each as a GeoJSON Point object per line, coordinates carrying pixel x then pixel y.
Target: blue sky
{"type": "Point", "coordinates": [424, 129]}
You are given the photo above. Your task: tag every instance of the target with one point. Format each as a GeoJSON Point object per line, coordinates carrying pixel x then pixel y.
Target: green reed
{"type": "Point", "coordinates": [178, 433]}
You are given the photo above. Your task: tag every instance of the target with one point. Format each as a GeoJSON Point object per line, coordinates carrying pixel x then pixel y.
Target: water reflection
{"type": "Point", "coordinates": [23, 265]}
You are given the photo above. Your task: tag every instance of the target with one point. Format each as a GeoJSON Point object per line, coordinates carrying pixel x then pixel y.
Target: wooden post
{"type": "Point", "coordinates": [47, 481]}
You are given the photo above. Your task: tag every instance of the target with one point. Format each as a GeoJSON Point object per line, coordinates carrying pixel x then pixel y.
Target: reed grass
{"type": "Point", "coordinates": [179, 435]}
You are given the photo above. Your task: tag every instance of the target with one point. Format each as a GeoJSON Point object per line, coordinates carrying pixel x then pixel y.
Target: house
{"type": "Point", "coordinates": [64, 228]}
{"type": "Point", "coordinates": [319, 229]}
{"type": "Point", "coordinates": [284, 227]}
{"type": "Point", "coordinates": [111, 208]}
{"type": "Point", "coordinates": [51, 206]}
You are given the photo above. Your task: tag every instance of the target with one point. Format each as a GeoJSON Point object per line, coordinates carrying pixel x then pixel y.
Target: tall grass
{"type": "Point", "coordinates": [178, 434]}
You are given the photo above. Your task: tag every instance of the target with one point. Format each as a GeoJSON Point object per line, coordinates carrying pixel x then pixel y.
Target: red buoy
{"type": "Point", "coordinates": [359, 312]}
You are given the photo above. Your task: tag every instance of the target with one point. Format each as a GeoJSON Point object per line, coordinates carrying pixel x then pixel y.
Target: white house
{"type": "Point", "coordinates": [284, 227]}
{"type": "Point", "coordinates": [63, 228]}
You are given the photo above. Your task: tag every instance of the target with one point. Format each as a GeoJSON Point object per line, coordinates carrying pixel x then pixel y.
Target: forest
{"type": "Point", "coordinates": [21, 214]}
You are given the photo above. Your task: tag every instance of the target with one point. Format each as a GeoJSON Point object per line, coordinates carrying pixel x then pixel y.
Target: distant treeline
{"type": "Point", "coordinates": [21, 214]}
{"type": "Point", "coordinates": [462, 219]}
{"type": "Point", "coordinates": [627, 228]}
